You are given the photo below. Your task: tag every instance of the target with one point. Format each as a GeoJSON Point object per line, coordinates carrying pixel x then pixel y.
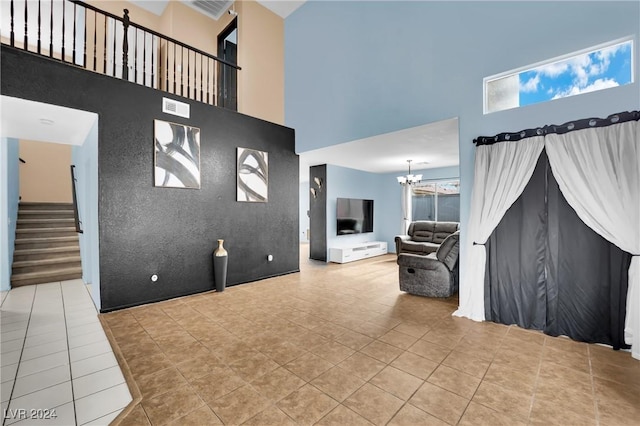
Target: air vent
{"type": "Point", "coordinates": [212, 8]}
{"type": "Point", "coordinates": [172, 107]}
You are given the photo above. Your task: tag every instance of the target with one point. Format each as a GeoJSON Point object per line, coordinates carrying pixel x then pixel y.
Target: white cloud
{"type": "Point", "coordinates": [608, 52]}
{"type": "Point", "coordinates": [599, 84]}
{"type": "Point", "coordinates": [553, 70]}
{"type": "Point", "coordinates": [531, 85]}
{"type": "Point", "coordinates": [585, 67]}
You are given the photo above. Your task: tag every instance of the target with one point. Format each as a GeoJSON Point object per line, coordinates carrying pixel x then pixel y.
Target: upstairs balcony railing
{"type": "Point", "coordinates": [82, 35]}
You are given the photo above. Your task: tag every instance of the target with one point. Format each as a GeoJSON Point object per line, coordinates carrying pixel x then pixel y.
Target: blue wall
{"type": "Point", "coordinates": [383, 188]}
{"type": "Point", "coordinates": [9, 200]}
{"type": "Point", "coordinates": [349, 183]}
{"type": "Point", "coordinates": [85, 158]}
{"type": "Point", "coordinates": [358, 69]}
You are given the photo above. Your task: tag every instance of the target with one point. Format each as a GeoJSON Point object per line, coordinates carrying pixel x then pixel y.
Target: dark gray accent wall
{"type": "Point", "coordinates": [146, 230]}
{"type": "Point", "coordinates": [318, 214]}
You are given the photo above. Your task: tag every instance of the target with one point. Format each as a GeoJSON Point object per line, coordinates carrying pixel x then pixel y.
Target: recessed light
{"type": "Point", "coordinates": [47, 122]}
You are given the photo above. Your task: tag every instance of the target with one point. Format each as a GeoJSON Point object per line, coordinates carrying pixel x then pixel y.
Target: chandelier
{"type": "Point", "coordinates": [409, 179]}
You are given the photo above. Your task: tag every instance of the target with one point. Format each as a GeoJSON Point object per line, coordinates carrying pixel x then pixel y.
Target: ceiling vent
{"type": "Point", "coordinates": [172, 107]}
{"type": "Point", "coordinates": [213, 8]}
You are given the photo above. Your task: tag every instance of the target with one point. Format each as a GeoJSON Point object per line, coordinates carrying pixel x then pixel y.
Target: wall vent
{"type": "Point", "coordinates": [172, 107]}
{"type": "Point", "coordinates": [212, 8]}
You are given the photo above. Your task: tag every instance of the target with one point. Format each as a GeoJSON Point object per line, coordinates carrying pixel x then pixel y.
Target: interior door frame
{"type": "Point", "coordinates": [223, 81]}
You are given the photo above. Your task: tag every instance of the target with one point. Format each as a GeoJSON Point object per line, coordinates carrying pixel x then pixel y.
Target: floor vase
{"type": "Point", "coordinates": [220, 260]}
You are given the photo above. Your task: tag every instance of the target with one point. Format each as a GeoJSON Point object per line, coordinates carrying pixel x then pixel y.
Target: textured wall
{"type": "Point", "coordinates": [318, 213]}
{"type": "Point", "coordinates": [170, 232]}
{"type": "Point", "coordinates": [260, 47]}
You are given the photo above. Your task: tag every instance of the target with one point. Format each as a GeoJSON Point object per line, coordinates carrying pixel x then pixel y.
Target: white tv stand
{"type": "Point", "coordinates": [357, 251]}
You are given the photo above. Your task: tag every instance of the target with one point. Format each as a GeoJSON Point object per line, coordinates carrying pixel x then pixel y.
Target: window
{"type": "Point", "coordinates": [590, 70]}
{"type": "Point", "coordinates": [436, 201]}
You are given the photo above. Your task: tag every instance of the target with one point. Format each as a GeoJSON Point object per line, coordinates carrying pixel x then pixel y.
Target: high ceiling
{"type": "Point", "coordinates": [429, 146]}
{"type": "Point", "coordinates": [282, 8]}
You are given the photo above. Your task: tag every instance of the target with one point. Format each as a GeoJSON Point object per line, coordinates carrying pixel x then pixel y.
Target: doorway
{"type": "Point", "coordinates": [228, 76]}
{"type": "Point", "coordinates": [53, 125]}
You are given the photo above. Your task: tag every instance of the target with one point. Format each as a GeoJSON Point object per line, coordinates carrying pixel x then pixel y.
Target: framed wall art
{"type": "Point", "coordinates": [253, 175]}
{"type": "Point", "coordinates": [177, 155]}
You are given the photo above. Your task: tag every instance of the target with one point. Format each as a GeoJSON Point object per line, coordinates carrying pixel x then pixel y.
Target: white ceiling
{"type": "Point", "coordinates": [282, 8]}
{"type": "Point", "coordinates": [154, 6]}
{"type": "Point", "coordinates": [429, 146]}
{"type": "Point", "coordinates": [35, 121]}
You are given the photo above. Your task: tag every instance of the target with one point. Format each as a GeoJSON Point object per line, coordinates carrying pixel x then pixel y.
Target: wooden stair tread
{"type": "Point", "coordinates": [46, 250]}
{"type": "Point", "coordinates": [50, 272]}
{"type": "Point", "coordinates": [36, 230]}
{"type": "Point", "coordinates": [46, 245]}
{"type": "Point", "coordinates": [46, 262]}
{"type": "Point", "coordinates": [46, 239]}
{"type": "Point", "coordinates": [44, 206]}
{"type": "Point", "coordinates": [56, 220]}
{"type": "Point", "coordinates": [43, 212]}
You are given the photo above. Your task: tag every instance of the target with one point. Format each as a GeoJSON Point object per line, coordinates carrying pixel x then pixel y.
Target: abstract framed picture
{"type": "Point", "coordinates": [253, 175]}
{"type": "Point", "coordinates": [177, 155]}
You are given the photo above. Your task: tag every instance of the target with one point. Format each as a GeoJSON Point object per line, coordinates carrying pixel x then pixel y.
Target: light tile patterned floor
{"type": "Point", "coordinates": [57, 363]}
{"type": "Point", "coordinates": [341, 345]}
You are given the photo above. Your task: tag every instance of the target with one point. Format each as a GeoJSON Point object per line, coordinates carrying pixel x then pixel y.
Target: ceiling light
{"type": "Point", "coordinates": [409, 179]}
{"type": "Point", "coordinates": [47, 122]}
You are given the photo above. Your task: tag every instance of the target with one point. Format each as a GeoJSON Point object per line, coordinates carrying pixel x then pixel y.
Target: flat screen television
{"type": "Point", "coordinates": [354, 216]}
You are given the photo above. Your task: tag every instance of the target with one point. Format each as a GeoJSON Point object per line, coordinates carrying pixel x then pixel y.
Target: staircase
{"type": "Point", "coordinates": [47, 247]}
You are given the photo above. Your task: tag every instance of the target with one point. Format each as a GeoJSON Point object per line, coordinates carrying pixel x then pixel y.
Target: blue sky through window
{"type": "Point", "coordinates": [588, 72]}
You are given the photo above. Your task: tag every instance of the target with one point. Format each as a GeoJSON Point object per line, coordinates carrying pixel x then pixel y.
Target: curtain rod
{"type": "Point", "coordinates": [569, 126]}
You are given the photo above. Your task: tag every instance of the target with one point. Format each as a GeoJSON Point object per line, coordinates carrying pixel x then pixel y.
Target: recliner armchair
{"type": "Point", "coordinates": [434, 275]}
{"type": "Point", "coordinates": [424, 236]}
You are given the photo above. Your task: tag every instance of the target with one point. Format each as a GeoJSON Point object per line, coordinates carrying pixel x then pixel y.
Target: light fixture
{"type": "Point", "coordinates": [409, 179]}
{"type": "Point", "coordinates": [47, 121]}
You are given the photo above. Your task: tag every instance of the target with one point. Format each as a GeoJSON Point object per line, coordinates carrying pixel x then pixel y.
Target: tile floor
{"type": "Point", "coordinates": [57, 363]}
{"type": "Point", "coordinates": [332, 345]}
{"type": "Point", "coordinates": [341, 345]}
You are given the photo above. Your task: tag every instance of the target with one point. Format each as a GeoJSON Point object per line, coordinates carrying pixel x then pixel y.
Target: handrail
{"type": "Point", "coordinates": [155, 33]}
{"type": "Point", "coordinates": [99, 41]}
{"type": "Point", "coordinates": [76, 216]}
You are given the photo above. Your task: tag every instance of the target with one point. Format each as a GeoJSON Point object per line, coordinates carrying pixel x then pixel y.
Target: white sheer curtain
{"type": "Point", "coordinates": [407, 194]}
{"type": "Point", "coordinates": [502, 171]}
{"type": "Point", "coordinates": [598, 172]}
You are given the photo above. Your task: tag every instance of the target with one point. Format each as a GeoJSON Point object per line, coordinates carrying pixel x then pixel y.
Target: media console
{"type": "Point", "coordinates": [357, 251]}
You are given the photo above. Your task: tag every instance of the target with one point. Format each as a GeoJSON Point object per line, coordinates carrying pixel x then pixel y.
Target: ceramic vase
{"type": "Point", "coordinates": [220, 259]}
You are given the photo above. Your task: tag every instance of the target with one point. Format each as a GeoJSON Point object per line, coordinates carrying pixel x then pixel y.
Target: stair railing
{"type": "Point", "coordinates": [82, 35]}
{"type": "Point", "coordinates": [76, 216]}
